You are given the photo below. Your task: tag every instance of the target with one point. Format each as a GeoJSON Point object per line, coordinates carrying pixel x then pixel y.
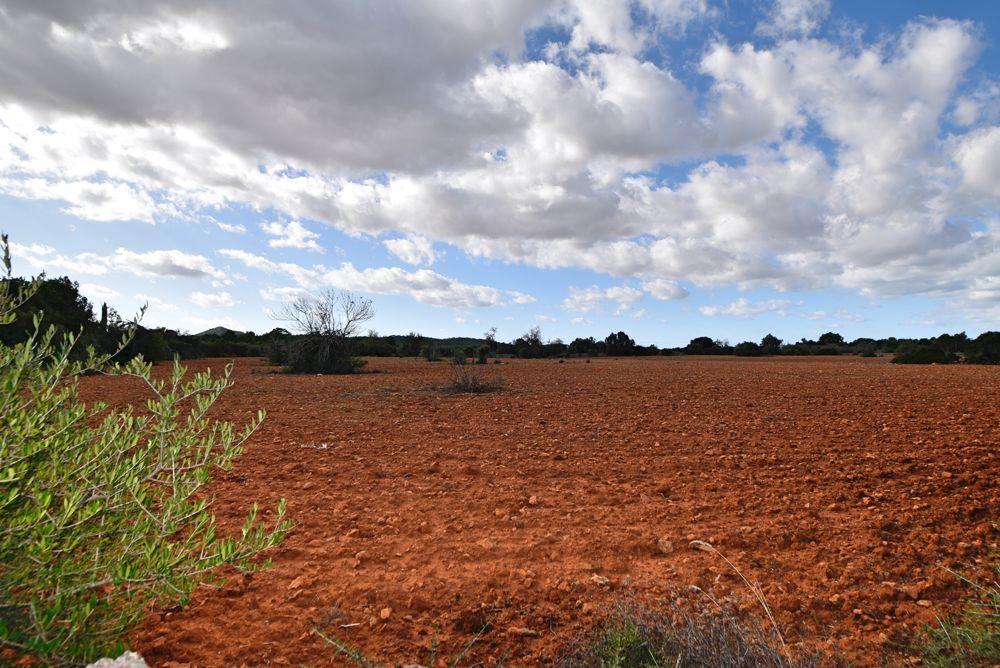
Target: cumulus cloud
{"type": "Point", "coordinates": [152, 264]}
{"type": "Point", "coordinates": [165, 264]}
{"type": "Point", "coordinates": [155, 303]}
{"type": "Point", "coordinates": [840, 314]}
{"type": "Point", "coordinates": [291, 235]}
{"type": "Point", "coordinates": [742, 308]}
{"type": "Point", "coordinates": [805, 161]}
{"type": "Point", "coordinates": [591, 300]}
{"type": "Point", "coordinates": [521, 297]}
{"type": "Point", "coordinates": [418, 249]}
{"type": "Point", "coordinates": [978, 158]}
{"type": "Point", "coordinates": [285, 294]}
{"type": "Point", "coordinates": [235, 228]}
{"type": "Point", "coordinates": [423, 285]}
{"type": "Point", "coordinates": [613, 24]}
{"type": "Point", "coordinates": [982, 104]}
{"type": "Point", "coordinates": [794, 17]}
{"type": "Point", "coordinates": [212, 299]}
{"type": "Point", "coordinates": [98, 292]}
{"type": "Point", "coordinates": [664, 290]}
{"type": "Point", "coordinates": [90, 200]}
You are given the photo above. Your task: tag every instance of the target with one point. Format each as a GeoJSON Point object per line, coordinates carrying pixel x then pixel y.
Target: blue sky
{"type": "Point", "coordinates": [671, 168]}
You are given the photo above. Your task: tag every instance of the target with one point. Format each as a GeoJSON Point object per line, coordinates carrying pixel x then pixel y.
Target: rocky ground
{"type": "Point", "coordinates": [842, 485]}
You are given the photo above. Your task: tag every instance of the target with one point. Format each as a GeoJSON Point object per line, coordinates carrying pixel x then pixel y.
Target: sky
{"type": "Point", "coordinates": [670, 168]}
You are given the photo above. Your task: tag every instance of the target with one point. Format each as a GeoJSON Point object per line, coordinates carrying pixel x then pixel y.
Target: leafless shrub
{"type": "Point", "coordinates": [468, 379]}
{"type": "Point", "coordinates": [326, 324]}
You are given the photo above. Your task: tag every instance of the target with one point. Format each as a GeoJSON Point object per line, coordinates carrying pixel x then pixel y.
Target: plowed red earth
{"type": "Point", "coordinates": [842, 485]}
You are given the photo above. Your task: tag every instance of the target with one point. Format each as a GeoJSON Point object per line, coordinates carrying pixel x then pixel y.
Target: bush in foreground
{"type": "Point", "coordinates": [101, 510]}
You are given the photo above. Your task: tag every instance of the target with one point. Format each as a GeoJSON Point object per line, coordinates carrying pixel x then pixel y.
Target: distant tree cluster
{"type": "Point", "coordinates": [58, 303]}
{"type": "Point", "coordinates": [326, 338]}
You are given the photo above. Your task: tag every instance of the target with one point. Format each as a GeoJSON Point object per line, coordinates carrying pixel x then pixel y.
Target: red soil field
{"type": "Point", "coordinates": [842, 485]}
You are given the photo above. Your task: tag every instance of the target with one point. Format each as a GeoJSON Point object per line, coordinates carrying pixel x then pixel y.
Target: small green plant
{"type": "Point", "coordinates": [103, 511]}
{"type": "Point", "coordinates": [430, 353]}
{"type": "Point", "coordinates": [973, 637]}
{"type": "Point", "coordinates": [470, 380]}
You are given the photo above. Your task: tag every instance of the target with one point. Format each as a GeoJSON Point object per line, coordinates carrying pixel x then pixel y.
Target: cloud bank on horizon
{"type": "Point", "coordinates": [663, 149]}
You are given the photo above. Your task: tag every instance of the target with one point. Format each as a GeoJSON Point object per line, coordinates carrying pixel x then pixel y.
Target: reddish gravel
{"type": "Point", "coordinates": [840, 484]}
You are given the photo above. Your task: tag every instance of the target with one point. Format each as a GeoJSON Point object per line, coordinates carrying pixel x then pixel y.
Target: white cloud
{"type": "Point", "coordinates": [613, 24]}
{"type": "Point", "coordinates": [235, 228]}
{"type": "Point", "coordinates": [590, 300]}
{"type": "Point", "coordinates": [741, 308]}
{"type": "Point", "coordinates": [212, 299]}
{"type": "Point", "coordinates": [584, 300]}
{"type": "Point", "coordinates": [982, 104]}
{"type": "Point", "coordinates": [155, 303]}
{"type": "Point", "coordinates": [90, 200]}
{"type": "Point", "coordinates": [98, 293]}
{"type": "Point", "coordinates": [817, 161]}
{"type": "Point", "coordinates": [545, 318]}
{"type": "Point", "coordinates": [664, 290]}
{"type": "Point", "coordinates": [840, 314]}
{"type": "Point", "coordinates": [30, 249]}
{"type": "Point", "coordinates": [423, 285]}
{"type": "Point", "coordinates": [417, 249]}
{"type": "Point", "coordinates": [152, 264]}
{"type": "Point", "coordinates": [164, 263]}
{"type": "Point", "coordinates": [175, 34]}
{"type": "Point", "coordinates": [291, 235]}
{"type": "Point", "coordinates": [623, 294]}
{"type": "Point", "coordinates": [580, 320]}
{"type": "Point", "coordinates": [284, 294]}
{"type": "Point", "coordinates": [978, 157]}
{"type": "Point", "coordinates": [521, 297]}
{"type": "Point", "coordinates": [794, 17]}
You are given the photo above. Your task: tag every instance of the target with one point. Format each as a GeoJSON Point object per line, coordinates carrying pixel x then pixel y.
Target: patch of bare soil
{"type": "Point", "coordinates": [842, 485]}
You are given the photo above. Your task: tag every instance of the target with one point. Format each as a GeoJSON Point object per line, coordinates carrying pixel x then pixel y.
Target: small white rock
{"type": "Point", "coordinates": [126, 660]}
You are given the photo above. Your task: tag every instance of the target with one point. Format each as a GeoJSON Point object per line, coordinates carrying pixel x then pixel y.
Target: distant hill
{"type": "Point", "coordinates": [218, 331]}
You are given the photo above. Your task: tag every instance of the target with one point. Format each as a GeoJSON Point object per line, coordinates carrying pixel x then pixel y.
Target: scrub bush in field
{"type": "Point", "coordinates": [102, 511]}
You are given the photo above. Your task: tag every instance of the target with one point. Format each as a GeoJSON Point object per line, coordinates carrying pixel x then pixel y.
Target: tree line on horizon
{"type": "Point", "coordinates": [58, 302]}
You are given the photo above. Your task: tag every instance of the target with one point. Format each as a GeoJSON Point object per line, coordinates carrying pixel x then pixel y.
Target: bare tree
{"type": "Point", "coordinates": [334, 313]}
{"type": "Point", "coordinates": [327, 323]}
